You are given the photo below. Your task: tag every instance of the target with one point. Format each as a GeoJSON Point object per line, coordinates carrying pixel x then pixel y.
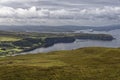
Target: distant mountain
{"type": "Point", "coordinates": [30, 28]}
{"type": "Point", "coordinates": [106, 28]}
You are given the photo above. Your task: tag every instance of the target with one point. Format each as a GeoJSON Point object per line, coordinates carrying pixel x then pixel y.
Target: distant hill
{"type": "Point", "coordinates": [30, 28]}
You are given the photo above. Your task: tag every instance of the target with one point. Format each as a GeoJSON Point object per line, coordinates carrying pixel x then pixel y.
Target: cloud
{"type": "Point", "coordinates": [59, 11]}
{"type": "Point", "coordinates": [10, 1]}
{"type": "Point", "coordinates": [8, 12]}
{"type": "Point", "coordinates": [33, 12]}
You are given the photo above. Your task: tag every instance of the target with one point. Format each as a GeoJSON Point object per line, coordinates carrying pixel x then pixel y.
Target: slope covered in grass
{"type": "Point", "coordinates": [81, 64]}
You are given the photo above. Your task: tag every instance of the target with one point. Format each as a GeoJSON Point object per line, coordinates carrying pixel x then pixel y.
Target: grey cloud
{"type": "Point", "coordinates": [33, 12]}
{"type": "Point", "coordinates": [59, 11]}
{"type": "Point", "coordinates": [59, 3]}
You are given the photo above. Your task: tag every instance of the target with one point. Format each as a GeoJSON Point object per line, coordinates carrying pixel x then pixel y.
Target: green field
{"type": "Point", "coordinates": [9, 38]}
{"type": "Point", "coordinates": [81, 64]}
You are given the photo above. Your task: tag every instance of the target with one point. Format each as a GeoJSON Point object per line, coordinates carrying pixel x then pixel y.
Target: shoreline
{"type": "Point", "coordinates": [26, 53]}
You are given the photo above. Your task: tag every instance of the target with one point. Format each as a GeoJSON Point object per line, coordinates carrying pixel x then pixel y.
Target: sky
{"type": "Point", "coordinates": [60, 12]}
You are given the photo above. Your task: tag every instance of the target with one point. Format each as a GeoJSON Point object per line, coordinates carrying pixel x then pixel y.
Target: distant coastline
{"type": "Point", "coordinates": [14, 42]}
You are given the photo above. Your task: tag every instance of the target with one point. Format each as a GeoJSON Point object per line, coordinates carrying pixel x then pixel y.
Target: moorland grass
{"type": "Point", "coordinates": [81, 64]}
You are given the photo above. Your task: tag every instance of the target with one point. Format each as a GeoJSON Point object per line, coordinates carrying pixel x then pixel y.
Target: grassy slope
{"type": "Point", "coordinates": [80, 64]}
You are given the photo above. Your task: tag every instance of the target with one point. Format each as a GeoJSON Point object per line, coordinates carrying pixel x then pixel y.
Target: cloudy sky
{"type": "Point", "coordinates": [60, 12]}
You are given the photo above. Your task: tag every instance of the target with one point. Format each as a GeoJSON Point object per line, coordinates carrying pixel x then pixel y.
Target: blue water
{"type": "Point", "coordinates": [83, 43]}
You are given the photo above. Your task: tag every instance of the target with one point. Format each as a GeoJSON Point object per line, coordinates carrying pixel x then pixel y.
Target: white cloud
{"type": "Point", "coordinates": [59, 13]}
{"type": "Point", "coordinates": [20, 15]}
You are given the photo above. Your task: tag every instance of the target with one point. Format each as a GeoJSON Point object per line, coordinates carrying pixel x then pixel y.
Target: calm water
{"type": "Point", "coordinates": [84, 43]}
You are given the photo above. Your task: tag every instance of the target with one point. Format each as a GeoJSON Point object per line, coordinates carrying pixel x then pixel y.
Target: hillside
{"type": "Point", "coordinates": [81, 64]}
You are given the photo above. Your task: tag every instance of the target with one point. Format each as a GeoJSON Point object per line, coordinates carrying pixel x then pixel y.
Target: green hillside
{"type": "Point", "coordinates": [81, 64]}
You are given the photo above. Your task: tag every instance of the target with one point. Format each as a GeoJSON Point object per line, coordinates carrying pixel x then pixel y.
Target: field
{"type": "Point", "coordinates": [9, 38]}
{"type": "Point", "coordinates": [93, 63]}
